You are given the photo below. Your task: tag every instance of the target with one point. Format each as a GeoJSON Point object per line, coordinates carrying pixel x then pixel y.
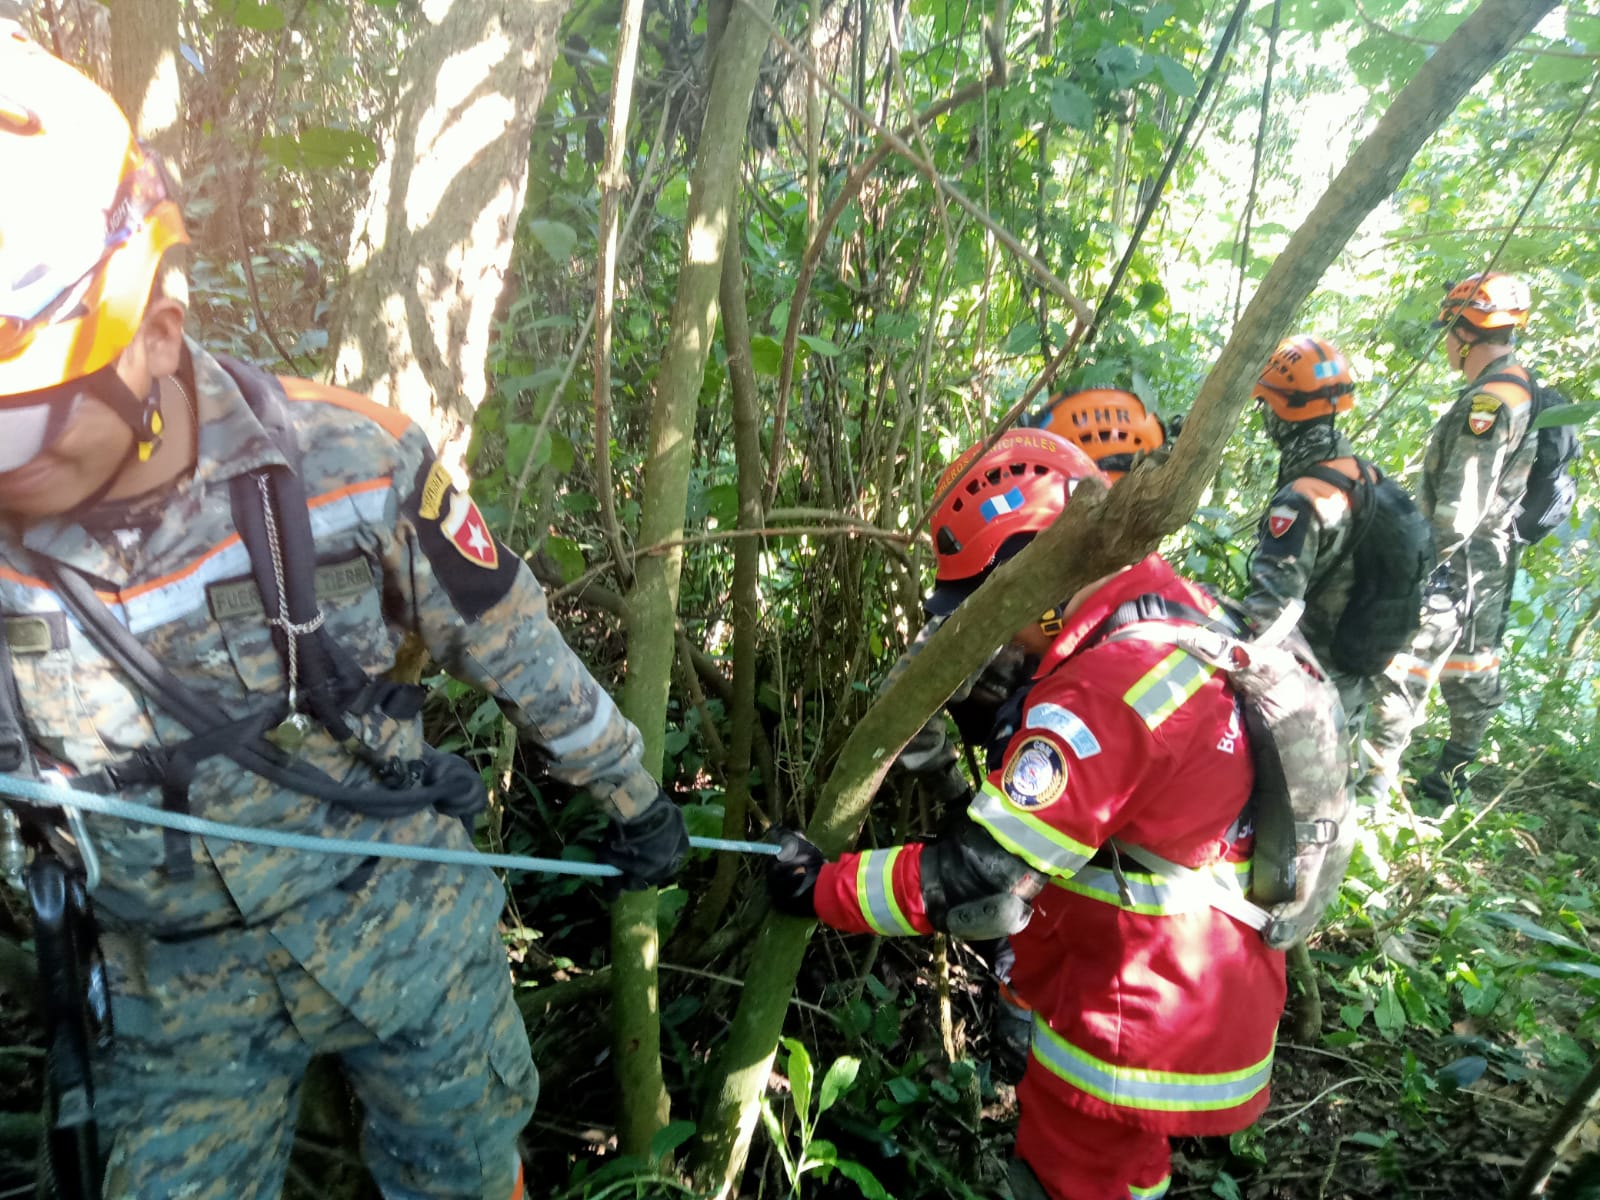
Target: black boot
{"type": "Point", "coordinates": [1447, 782]}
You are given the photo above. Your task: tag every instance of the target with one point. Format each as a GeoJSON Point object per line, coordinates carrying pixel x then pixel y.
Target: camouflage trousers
{"type": "Point", "coordinates": [1458, 648]}
{"type": "Point", "coordinates": [198, 1097]}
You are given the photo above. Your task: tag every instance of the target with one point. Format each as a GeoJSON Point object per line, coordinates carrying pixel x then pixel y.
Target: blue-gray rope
{"type": "Point", "coordinates": [44, 795]}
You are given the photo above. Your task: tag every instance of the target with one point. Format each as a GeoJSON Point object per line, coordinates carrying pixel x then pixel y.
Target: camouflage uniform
{"type": "Point", "coordinates": [231, 967]}
{"type": "Point", "coordinates": [1301, 554]}
{"type": "Point", "coordinates": [1473, 477]}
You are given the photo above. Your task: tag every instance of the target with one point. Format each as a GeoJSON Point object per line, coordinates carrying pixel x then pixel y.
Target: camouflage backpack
{"type": "Point", "coordinates": [1300, 804]}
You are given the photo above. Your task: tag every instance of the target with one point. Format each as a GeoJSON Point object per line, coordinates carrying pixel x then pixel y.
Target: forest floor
{"type": "Point", "coordinates": [1415, 1089]}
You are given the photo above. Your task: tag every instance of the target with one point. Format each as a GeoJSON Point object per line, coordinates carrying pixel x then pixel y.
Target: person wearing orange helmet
{"type": "Point", "coordinates": [1154, 1013]}
{"type": "Point", "coordinates": [1110, 425]}
{"type": "Point", "coordinates": [1305, 537]}
{"type": "Point", "coordinates": [204, 570]}
{"type": "Point", "coordinates": [1474, 475]}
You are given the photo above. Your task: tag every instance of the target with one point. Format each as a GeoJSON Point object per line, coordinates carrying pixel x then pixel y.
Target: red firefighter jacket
{"type": "Point", "coordinates": [1151, 1007]}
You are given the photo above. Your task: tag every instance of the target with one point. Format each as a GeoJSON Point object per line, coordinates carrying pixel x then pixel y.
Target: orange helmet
{"type": "Point", "coordinates": [85, 217]}
{"type": "Point", "coordinates": [1488, 301]}
{"type": "Point", "coordinates": [1306, 378]}
{"type": "Point", "coordinates": [999, 501]}
{"type": "Point", "coordinates": [1111, 426]}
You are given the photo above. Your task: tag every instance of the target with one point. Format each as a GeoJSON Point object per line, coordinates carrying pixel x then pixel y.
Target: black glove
{"type": "Point", "coordinates": [792, 874]}
{"type": "Point", "coordinates": [648, 849]}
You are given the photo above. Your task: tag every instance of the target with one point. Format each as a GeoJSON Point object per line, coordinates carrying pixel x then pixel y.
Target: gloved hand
{"type": "Point", "coordinates": [792, 874]}
{"type": "Point", "coordinates": [648, 849]}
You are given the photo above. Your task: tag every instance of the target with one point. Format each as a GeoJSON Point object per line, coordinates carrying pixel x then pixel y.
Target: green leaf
{"type": "Point", "coordinates": [1154, 18]}
{"type": "Point", "coordinates": [1353, 1015]}
{"type": "Point", "coordinates": [776, 1134]}
{"type": "Point", "coordinates": [668, 1139]}
{"type": "Point", "coordinates": [841, 1077]}
{"type": "Point", "coordinates": [1071, 105]}
{"type": "Point", "coordinates": [568, 556]}
{"type": "Point", "coordinates": [820, 1152]}
{"type": "Point", "coordinates": [322, 148]}
{"type": "Point", "coordinates": [722, 504]}
{"type": "Point", "coordinates": [558, 239]}
{"type": "Point", "coordinates": [820, 344]}
{"type": "Point", "coordinates": [562, 455]}
{"type": "Point", "coordinates": [1549, 69]}
{"type": "Point", "coordinates": [1120, 66]}
{"type": "Point", "coordinates": [1588, 970]}
{"type": "Point", "coordinates": [522, 451]}
{"type": "Point", "coordinates": [251, 14]}
{"type": "Point", "coordinates": [799, 1077]}
{"type": "Point", "coordinates": [1529, 929]}
{"type": "Point", "coordinates": [864, 1180]}
{"type": "Point", "coordinates": [902, 1089]}
{"type": "Point", "coordinates": [1566, 414]}
{"type": "Point", "coordinates": [1389, 1014]}
{"type": "Point", "coordinates": [766, 355]}
{"type": "Point", "coordinates": [1174, 75]}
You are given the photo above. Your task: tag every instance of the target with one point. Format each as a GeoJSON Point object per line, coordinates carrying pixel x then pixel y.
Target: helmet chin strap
{"type": "Point", "coordinates": [143, 417]}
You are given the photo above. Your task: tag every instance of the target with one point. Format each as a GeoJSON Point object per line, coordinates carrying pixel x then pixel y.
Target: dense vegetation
{"type": "Point", "coordinates": [1114, 183]}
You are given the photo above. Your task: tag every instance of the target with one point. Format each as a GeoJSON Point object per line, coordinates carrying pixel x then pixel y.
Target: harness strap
{"type": "Point", "coordinates": [1362, 509]}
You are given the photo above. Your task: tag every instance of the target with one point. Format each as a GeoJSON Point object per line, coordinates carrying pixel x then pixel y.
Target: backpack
{"type": "Point", "coordinates": [1300, 802]}
{"type": "Point", "coordinates": [1551, 491]}
{"type": "Point", "coordinates": [1392, 546]}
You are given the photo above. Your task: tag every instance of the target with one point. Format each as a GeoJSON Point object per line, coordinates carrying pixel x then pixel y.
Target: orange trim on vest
{"type": "Point", "coordinates": [392, 420]}
{"type": "Point", "coordinates": [516, 1191]}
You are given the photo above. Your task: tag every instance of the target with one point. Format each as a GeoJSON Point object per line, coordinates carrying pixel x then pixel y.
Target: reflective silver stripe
{"type": "Point", "coordinates": [875, 893]}
{"type": "Point", "coordinates": [1166, 686]}
{"type": "Point", "coordinates": [1158, 896]}
{"type": "Point", "coordinates": [586, 734]}
{"type": "Point", "coordinates": [1149, 1091]}
{"type": "Point", "coordinates": [1035, 842]}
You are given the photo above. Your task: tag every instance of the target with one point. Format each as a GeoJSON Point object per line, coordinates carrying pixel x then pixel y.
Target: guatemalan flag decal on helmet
{"type": "Point", "coordinates": [1281, 519]}
{"type": "Point", "coordinates": [1325, 370]}
{"type": "Point", "coordinates": [996, 506]}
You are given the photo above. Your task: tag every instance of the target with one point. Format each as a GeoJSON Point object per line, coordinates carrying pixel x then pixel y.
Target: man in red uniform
{"type": "Point", "coordinates": [1155, 1013]}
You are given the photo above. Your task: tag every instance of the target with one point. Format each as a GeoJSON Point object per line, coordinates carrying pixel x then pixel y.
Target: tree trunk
{"type": "Point", "coordinates": [144, 73]}
{"type": "Point", "coordinates": [431, 247]}
{"type": "Point", "coordinates": [651, 616]}
{"type": "Point", "coordinates": [1098, 533]}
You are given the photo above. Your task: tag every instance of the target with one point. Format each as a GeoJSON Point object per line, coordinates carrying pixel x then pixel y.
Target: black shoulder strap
{"type": "Point", "coordinates": [1152, 606]}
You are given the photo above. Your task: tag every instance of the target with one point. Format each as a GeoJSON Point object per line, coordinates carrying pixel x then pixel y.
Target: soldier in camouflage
{"type": "Point", "coordinates": [231, 965]}
{"type": "Point", "coordinates": [1303, 539]}
{"type": "Point", "coordinates": [1474, 475]}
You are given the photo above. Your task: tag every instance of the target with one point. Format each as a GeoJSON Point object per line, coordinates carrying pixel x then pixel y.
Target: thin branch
{"type": "Point", "coordinates": [812, 257]}
{"type": "Point", "coordinates": [1478, 232]}
{"type": "Point", "coordinates": [1255, 165]}
{"type": "Point", "coordinates": [858, 529]}
{"type": "Point", "coordinates": [1213, 73]}
{"type": "Point", "coordinates": [612, 180]}
{"type": "Point", "coordinates": [1535, 51]}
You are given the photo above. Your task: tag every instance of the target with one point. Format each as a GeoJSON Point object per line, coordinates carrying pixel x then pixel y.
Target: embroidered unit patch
{"type": "Point", "coordinates": [1036, 775]}
{"type": "Point", "coordinates": [1484, 411]}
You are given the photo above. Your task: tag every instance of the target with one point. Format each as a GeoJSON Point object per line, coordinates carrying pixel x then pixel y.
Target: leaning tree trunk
{"type": "Point", "coordinates": [1098, 533]}
{"type": "Point", "coordinates": [144, 73]}
{"type": "Point", "coordinates": [653, 604]}
{"type": "Point", "coordinates": [432, 245]}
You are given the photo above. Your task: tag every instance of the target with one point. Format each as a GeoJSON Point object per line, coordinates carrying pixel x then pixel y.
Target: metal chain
{"type": "Point", "coordinates": [292, 631]}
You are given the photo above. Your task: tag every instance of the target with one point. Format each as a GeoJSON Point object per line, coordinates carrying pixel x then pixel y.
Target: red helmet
{"type": "Point", "coordinates": [1000, 499]}
{"type": "Point", "coordinates": [1306, 378]}
{"type": "Point", "coordinates": [1110, 424]}
{"type": "Point", "coordinates": [1488, 301]}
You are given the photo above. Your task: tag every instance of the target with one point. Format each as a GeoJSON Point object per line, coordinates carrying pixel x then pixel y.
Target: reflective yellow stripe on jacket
{"type": "Point", "coordinates": [1149, 1091]}
{"type": "Point", "coordinates": [1165, 687]}
{"type": "Point", "coordinates": [1037, 843]}
{"type": "Point", "coordinates": [1150, 1193]}
{"type": "Point", "coordinates": [875, 893]}
{"type": "Point", "coordinates": [1154, 895]}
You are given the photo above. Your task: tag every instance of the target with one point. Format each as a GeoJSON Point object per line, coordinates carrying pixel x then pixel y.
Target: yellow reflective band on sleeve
{"type": "Point", "coordinates": [1037, 843]}
{"type": "Point", "coordinates": [1148, 1091]}
{"type": "Point", "coordinates": [875, 893]}
{"type": "Point", "coordinates": [1166, 686]}
{"type": "Point", "coordinates": [1150, 1193]}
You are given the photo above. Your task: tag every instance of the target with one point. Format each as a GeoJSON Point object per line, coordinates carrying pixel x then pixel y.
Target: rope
{"type": "Point", "coordinates": [42, 795]}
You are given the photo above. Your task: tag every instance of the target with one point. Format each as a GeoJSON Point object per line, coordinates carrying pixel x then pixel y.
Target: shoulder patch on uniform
{"type": "Point", "coordinates": [1035, 775]}
{"type": "Point", "coordinates": [1281, 519]}
{"type": "Point", "coordinates": [467, 561]}
{"type": "Point", "coordinates": [434, 489]}
{"type": "Point", "coordinates": [1066, 725]}
{"type": "Point", "coordinates": [1481, 417]}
